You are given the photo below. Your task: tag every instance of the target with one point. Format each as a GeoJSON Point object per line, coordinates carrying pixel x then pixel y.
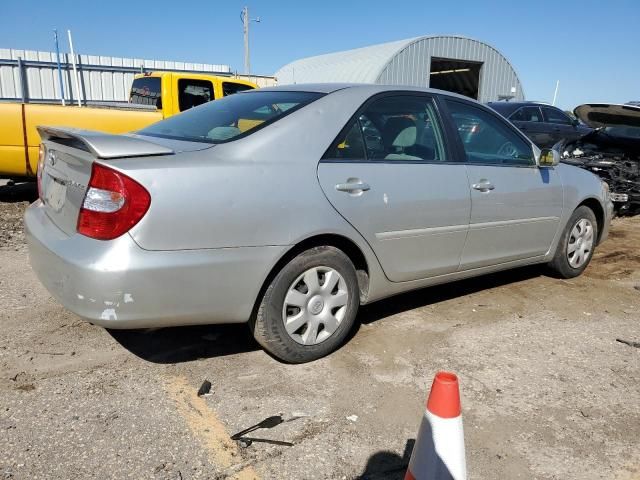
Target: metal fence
{"type": "Point", "coordinates": [27, 75]}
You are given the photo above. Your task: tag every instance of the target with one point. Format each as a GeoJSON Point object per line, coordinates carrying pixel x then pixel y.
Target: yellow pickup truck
{"type": "Point", "coordinates": [153, 96]}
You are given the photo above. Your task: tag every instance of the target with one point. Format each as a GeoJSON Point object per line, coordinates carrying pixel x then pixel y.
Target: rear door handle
{"type": "Point", "coordinates": [353, 186]}
{"type": "Point", "coordinates": [483, 186]}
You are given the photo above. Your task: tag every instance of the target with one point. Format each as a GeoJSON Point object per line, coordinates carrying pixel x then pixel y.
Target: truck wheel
{"type": "Point", "coordinates": [309, 307]}
{"type": "Point", "coordinates": [576, 245]}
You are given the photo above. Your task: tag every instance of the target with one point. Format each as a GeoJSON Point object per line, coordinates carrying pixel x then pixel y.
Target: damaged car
{"type": "Point", "coordinates": [611, 151]}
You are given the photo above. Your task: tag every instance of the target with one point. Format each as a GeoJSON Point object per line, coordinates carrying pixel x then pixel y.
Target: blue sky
{"type": "Point", "coordinates": [591, 46]}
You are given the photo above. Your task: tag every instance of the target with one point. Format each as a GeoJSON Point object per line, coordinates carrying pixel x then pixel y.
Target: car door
{"type": "Point", "coordinates": [561, 126]}
{"type": "Point", "coordinates": [530, 122]}
{"type": "Point", "coordinates": [392, 176]}
{"type": "Point", "coordinates": [515, 205]}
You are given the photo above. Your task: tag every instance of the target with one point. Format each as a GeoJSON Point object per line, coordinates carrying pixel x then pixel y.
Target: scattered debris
{"type": "Point", "coordinates": [629, 342]}
{"type": "Point", "coordinates": [245, 442]}
{"type": "Point", "coordinates": [15, 377]}
{"type": "Point", "coordinates": [205, 389]}
{"type": "Point", "coordinates": [352, 418]}
{"type": "Point", "coordinates": [268, 422]}
{"type": "Point", "coordinates": [11, 228]}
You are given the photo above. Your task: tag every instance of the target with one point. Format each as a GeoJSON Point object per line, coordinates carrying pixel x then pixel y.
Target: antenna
{"type": "Point", "coordinates": [555, 94]}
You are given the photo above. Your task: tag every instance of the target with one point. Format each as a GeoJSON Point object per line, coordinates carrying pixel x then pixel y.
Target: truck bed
{"type": "Point", "coordinates": [91, 103]}
{"type": "Point", "coordinates": [19, 139]}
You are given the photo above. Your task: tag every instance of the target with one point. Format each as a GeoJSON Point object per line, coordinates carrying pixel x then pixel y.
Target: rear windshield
{"type": "Point", "coordinates": [230, 117]}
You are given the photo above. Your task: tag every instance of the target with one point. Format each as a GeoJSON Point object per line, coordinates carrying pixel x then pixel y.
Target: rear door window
{"type": "Point", "coordinates": [229, 88]}
{"type": "Point", "coordinates": [147, 91]}
{"type": "Point", "coordinates": [527, 114]}
{"type": "Point", "coordinates": [192, 93]}
{"type": "Point", "coordinates": [393, 128]}
{"type": "Point", "coordinates": [486, 138]}
{"type": "Point", "coordinates": [553, 115]}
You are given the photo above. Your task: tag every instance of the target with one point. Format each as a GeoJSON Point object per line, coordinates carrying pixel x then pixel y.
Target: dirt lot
{"type": "Point", "coordinates": [547, 391]}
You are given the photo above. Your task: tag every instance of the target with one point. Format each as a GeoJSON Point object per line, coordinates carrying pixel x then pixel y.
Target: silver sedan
{"type": "Point", "coordinates": [289, 207]}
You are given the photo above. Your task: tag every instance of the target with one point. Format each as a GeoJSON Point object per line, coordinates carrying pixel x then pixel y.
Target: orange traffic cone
{"type": "Point", "coordinates": [438, 453]}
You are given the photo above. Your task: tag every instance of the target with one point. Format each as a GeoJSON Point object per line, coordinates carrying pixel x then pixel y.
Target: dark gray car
{"type": "Point", "coordinates": [544, 124]}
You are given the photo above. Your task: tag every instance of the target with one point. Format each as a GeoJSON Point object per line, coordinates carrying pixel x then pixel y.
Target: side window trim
{"type": "Point", "coordinates": [522, 109]}
{"type": "Point", "coordinates": [458, 141]}
{"type": "Point", "coordinates": [451, 158]}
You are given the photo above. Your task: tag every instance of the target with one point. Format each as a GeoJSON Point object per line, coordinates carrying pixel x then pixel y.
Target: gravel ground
{"type": "Point", "coordinates": [547, 391]}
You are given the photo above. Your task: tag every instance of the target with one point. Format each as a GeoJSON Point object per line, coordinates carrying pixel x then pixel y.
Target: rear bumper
{"type": "Point", "coordinates": [117, 284]}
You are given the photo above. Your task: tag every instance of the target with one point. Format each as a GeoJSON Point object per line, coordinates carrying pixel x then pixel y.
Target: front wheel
{"type": "Point", "coordinates": [309, 307]}
{"type": "Point", "coordinates": [576, 245]}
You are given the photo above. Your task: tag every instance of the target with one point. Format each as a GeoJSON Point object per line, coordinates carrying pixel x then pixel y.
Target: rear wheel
{"type": "Point", "coordinates": [576, 245]}
{"type": "Point", "coordinates": [309, 307]}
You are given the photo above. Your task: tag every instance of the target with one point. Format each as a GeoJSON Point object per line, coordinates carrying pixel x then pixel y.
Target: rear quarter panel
{"type": "Point", "coordinates": [256, 191]}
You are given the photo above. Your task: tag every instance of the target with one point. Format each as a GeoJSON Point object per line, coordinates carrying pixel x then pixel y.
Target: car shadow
{"type": "Point", "coordinates": [19, 192]}
{"type": "Point", "coordinates": [440, 293]}
{"type": "Point", "coordinates": [185, 344]}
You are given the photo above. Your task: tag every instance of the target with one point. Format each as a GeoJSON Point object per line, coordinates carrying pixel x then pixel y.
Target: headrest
{"type": "Point", "coordinates": [401, 131]}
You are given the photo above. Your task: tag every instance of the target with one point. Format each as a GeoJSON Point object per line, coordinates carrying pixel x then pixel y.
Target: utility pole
{"type": "Point", "coordinates": [244, 16]}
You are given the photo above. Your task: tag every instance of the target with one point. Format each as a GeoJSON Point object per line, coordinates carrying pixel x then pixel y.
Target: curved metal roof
{"type": "Point", "coordinates": [360, 65]}
{"type": "Point", "coordinates": [407, 62]}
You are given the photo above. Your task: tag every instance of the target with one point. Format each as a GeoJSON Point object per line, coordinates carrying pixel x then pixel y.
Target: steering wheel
{"type": "Point", "coordinates": [508, 149]}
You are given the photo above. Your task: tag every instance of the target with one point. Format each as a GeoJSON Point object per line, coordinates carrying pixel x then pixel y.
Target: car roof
{"type": "Point", "coordinates": [507, 108]}
{"type": "Point", "coordinates": [370, 88]}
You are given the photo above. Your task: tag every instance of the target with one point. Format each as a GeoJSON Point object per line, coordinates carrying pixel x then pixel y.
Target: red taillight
{"type": "Point", "coordinates": [41, 154]}
{"type": "Point", "coordinates": [113, 204]}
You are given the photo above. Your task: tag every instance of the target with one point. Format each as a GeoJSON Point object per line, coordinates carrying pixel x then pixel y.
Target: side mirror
{"type": "Point", "coordinates": [548, 158]}
{"type": "Point", "coordinates": [575, 122]}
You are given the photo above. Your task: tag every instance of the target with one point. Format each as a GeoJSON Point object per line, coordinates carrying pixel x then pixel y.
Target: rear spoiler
{"type": "Point", "coordinates": [103, 145]}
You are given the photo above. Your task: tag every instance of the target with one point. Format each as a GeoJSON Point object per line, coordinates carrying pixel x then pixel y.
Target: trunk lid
{"type": "Point", "coordinates": [598, 115]}
{"type": "Point", "coordinates": [65, 170]}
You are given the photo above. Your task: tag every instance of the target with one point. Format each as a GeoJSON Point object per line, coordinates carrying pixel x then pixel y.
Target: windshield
{"type": "Point", "coordinates": [230, 117]}
{"type": "Point", "coordinates": [626, 132]}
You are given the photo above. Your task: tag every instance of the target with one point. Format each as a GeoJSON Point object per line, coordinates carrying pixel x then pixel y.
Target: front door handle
{"type": "Point", "coordinates": [483, 185]}
{"type": "Point", "coordinates": [353, 186]}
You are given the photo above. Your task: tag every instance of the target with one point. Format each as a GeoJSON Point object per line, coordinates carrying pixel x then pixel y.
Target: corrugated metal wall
{"type": "Point", "coordinates": [102, 78]}
{"type": "Point", "coordinates": [411, 65]}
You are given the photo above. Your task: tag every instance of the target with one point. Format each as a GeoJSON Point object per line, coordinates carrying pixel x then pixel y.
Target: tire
{"type": "Point", "coordinates": [564, 263]}
{"type": "Point", "coordinates": [321, 309]}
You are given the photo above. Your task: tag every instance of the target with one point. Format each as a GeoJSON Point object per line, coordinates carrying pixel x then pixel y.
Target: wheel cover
{"type": "Point", "coordinates": [314, 306]}
{"type": "Point", "coordinates": [580, 243]}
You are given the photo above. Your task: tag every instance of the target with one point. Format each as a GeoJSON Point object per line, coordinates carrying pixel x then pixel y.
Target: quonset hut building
{"type": "Point", "coordinates": [452, 63]}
